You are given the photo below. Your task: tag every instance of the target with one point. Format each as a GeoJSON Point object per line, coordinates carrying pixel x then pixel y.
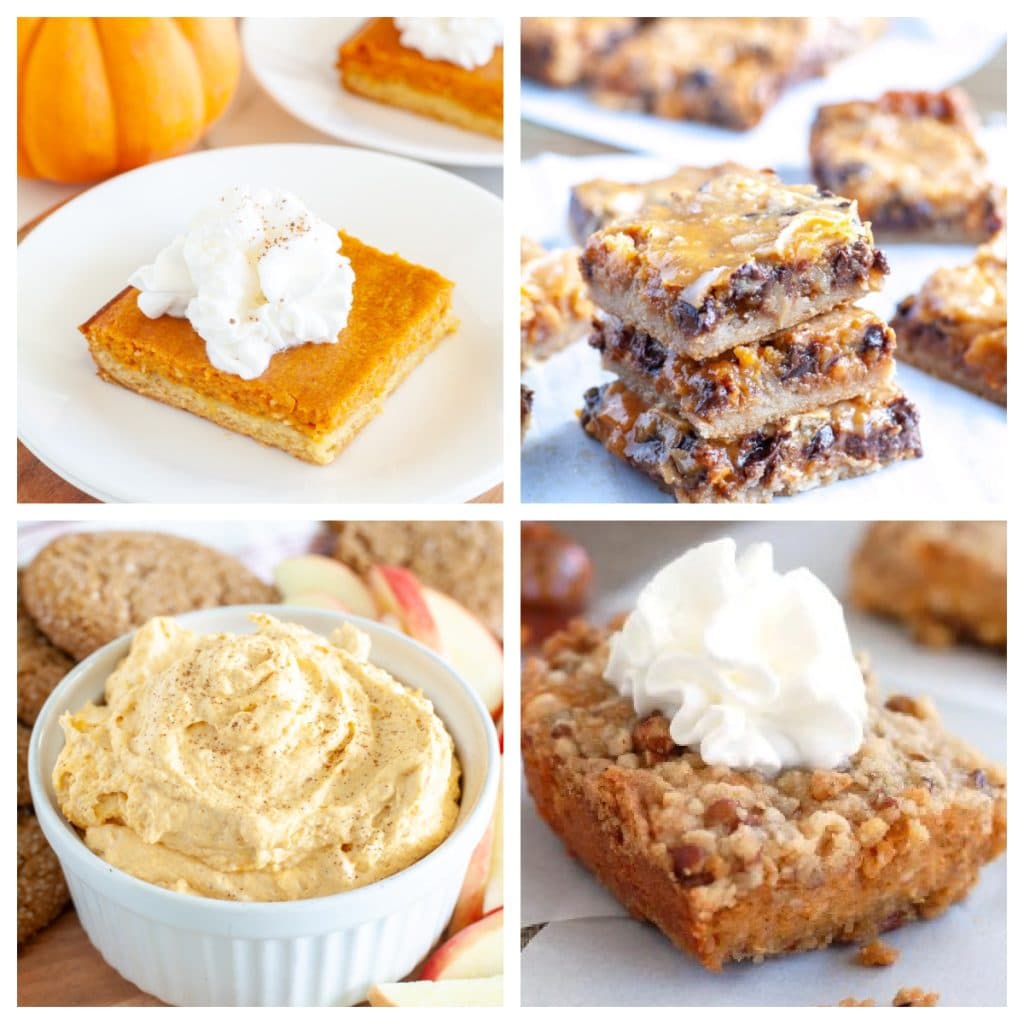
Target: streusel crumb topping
{"type": "Point", "coordinates": [915, 997]}
{"type": "Point", "coordinates": [726, 831]}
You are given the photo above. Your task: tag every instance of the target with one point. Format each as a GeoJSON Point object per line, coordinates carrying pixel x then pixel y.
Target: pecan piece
{"type": "Point", "coordinates": [913, 706]}
{"type": "Point", "coordinates": [826, 784]}
{"type": "Point", "coordinates": [688, 865]}
{"type": "Point", "coordinates": [651, 733]}
{"type": "Point", "coordinates": [724, 813]}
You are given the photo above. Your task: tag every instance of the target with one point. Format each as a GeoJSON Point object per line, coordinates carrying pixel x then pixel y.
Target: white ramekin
{"type": "Point", "coordinates": [194, 951]}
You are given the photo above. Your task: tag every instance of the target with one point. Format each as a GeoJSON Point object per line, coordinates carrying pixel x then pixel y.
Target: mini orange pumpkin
{"type": "Point", "coordinates": [97, 96]}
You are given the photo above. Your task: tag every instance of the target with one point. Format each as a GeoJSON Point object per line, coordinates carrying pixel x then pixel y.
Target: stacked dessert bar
{"type": "Point", "coordinates": [745, 370]}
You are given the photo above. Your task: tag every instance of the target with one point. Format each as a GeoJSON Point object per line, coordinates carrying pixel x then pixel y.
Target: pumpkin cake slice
{"type": "Point", "coordinates": [374, 63]}
{"type": "Point", "coordinates": [313, 399]}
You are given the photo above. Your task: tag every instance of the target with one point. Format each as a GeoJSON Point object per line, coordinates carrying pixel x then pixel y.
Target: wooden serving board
{"type": "Point", "coordinates": [60, 967]}
{"type": "Point", "coordinates": [38, 484]}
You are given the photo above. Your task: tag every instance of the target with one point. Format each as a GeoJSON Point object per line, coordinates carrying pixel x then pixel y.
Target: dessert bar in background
{"type": "Point", "coordinates": [554, 307]}
{"type": "Point", "coordinates": [912, 162]}
{"type": "Point", "coordinates": [555, 310]}
{"type": "Point", "coordinates": [744, 369]}
{"type": "Point", "coordinates": [954, 327]}
{"type": "Point", "coordinates": [561, 51]}
{"type": "Point", "coordinates": [723, 71]}
{"type": "Point", "coordinates": [404, 63]}
{"type": "Point", "coordinates": [945, 580]}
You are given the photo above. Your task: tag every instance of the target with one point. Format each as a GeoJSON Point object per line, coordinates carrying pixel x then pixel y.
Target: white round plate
{"type": "Point", "coordinates": [294, 60]}
{"type": "Point", "coordinates": [438, 437]}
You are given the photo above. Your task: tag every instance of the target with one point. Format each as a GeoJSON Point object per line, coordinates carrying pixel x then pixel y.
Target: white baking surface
{"type": "Point", "coordinates": [560, 463]}
{"type": "Point", "coordinates": [593, 953]}
{"type": "Point", "coordinates": [294, 60]}
{"type": "Point", "coordinates": [915, 53]}
{"type": "Point", "coordinates": [438, 437]}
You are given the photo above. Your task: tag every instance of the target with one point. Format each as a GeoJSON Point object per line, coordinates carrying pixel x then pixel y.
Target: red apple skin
{"type": "Point", "coordinates": [470, 905]}
{"type": "Point", "coordinates": [399, 593]}
{"type": "Point", "coordinates": [441, 961]}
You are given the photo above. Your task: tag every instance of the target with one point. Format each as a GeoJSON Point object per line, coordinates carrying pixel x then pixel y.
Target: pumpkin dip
{"type": "Point", "coordinates": [277, 765]}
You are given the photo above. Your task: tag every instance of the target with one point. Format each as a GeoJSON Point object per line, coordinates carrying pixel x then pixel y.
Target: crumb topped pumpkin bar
{"type": "Point", "coordinates": [739, 863]}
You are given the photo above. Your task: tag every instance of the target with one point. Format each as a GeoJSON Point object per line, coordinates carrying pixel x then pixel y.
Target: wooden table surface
{"type": "Point", "coordinates": [60, 967]}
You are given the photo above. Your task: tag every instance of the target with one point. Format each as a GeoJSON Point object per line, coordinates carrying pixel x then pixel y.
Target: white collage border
{"type": "Point", "coordinates": [510, 512]}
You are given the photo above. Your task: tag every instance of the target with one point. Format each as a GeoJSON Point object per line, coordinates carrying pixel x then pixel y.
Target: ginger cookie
{"type": "Point", "coordinates": [24, 796]}
{"type": "Point", "coordinates": [42, 892]}
{"type": "Point", "coordinates": [40, 665]}
{"type": "Point", "coordinates": [461, 559]}
{"type": "Point", "coordinates": [86, 589]}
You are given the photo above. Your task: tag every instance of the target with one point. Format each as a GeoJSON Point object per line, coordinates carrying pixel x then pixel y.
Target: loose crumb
{"type": "Point", "coordinates": [877, 954]}
{"type": "Point", "coordinates": [850, 1001]}
{"type": "Point", "coordinates": [915, 997]}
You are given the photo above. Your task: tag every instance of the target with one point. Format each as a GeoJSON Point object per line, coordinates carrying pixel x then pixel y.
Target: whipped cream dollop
{"type": "Point", "coordinates": [468, 42]}
{"type": "Point", "coordinates": [752, 666]}
{"type": "Point", "coordinates": [256, 273]}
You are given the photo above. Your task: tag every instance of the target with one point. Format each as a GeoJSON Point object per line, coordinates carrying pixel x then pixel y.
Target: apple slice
{"type": "Point", "coordinates": [467, 992]}
{"type": "Point", "coordinates": [398, 594]}
{"type": "Point", "coordinates": [470, 905]}
{"type": "Point", "coordinates": [475, 952]}
{"type": "Point", "coordinates": [494, 889]}
{"type": "Point", "coordinates": [318, 574]}
{"type": "Point", "coordinates": [317, 599]}
{"type": "Point", "coordinates": [470, 646]}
